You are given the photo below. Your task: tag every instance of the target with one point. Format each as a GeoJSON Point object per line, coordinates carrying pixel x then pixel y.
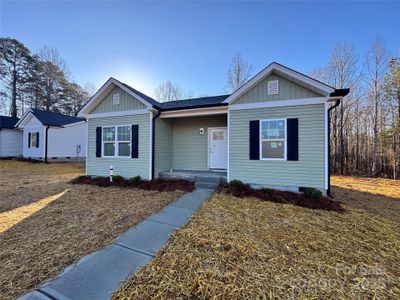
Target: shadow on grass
{"type": "Point", "coordinates": [377, 204]}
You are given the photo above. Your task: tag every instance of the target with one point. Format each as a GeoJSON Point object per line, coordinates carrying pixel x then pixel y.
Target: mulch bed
{"type": "Point", "coordinates": [299, 199]}
{"type": "Point", "coordinates": [148, 185]}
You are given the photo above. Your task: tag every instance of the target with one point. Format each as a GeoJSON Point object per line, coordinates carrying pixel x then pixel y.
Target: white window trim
{"type": "Point", "coordinates": [115, 142]}
{"type": "Point", "coordinates": [261, 139]}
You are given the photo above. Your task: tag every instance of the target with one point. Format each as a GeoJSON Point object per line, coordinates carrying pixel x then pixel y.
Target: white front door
{"type": "Point", "coordinates": [217, 148]}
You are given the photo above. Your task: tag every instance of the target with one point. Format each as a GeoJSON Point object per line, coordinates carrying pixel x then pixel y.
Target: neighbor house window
{"type": "Point", "coordinates": [273, 139]}
{"type": "Point", "coordinates": [34, 139]}
{"type": "Point", "coordinates": [117, 141]}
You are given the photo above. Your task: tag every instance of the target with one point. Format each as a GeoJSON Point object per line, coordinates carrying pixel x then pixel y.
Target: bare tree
{"type": "Point", "coordinates": [169, 91]}
{"type": "Point", "coordinates": [376, 62]}
{"type": "Point", "coordinates": [239, 73]}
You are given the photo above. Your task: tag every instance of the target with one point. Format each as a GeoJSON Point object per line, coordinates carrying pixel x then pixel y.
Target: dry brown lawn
{"type": "Point", "coordinates": [251, 249]}
{"type": "Point", "coordinates": [22, 182]}
{"type": "Point", "coordinates": [39, 239]}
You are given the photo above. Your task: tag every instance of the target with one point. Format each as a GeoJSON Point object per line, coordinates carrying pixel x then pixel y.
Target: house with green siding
{"type": "Point", "coordinates": [272, 132]}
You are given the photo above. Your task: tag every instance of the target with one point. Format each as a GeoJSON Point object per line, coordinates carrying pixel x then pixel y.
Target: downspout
{"type": "Point", "coordinates": [337, 102]}
{"type": "Point", "coordinates": [153, 142]}
{"type": "Point", "coordinates": [47, 140]}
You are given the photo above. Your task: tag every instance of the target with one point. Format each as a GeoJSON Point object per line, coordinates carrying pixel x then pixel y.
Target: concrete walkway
{"type": "Point", "coordinates": [97, 275]}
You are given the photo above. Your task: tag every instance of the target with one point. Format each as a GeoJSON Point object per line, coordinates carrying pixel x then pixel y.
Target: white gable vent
{"type": "Point", "coordinates": [115, 99]}
{"type": "Point", "coordinates": [273, 87]}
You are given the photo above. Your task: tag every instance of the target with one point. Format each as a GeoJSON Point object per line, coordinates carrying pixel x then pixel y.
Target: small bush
{"type": "Point", "coordinates": [237, 184]}
{"type": "Point", "coordinates": [135, 180]}
{"type": "Point", "coordinates": [312, 193]}
{"type": "Point", "coordinates": [117, 178]}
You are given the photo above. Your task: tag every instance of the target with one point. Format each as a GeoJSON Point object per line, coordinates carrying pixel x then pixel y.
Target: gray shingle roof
{"type": "Point", "coordinates": [54, 119]}
{"type": "Point", "coordinates": [8, 122]}
{"type": "Point", "coordinates": [194, 103]}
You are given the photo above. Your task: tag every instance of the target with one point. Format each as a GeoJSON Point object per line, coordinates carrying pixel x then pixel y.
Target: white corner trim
{"type": "Point", "coordinates": [99, 96]}
{"type": "Point", "coordinates": [287, 71]}
{"type": "Point", "coordinates": [326, 146]}
{"type": "Point", "coordinates": [194, 112]}
{"type": "Point", "coordinates": [118, 113]}
{"type": "Point", "coordinates": [282, 103]}
{"type": "Point", "coordinates": [151, 146]}
{"type": "Point", "coordinates": [228, 155]}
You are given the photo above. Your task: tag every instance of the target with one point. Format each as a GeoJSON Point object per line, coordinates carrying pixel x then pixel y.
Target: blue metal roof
{"type": "Point", "coordinates": [8, 122]}
{"type": "Point", "coordinates": [54, 119]}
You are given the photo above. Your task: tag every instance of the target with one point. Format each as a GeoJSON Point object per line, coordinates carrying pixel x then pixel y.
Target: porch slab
{"type": "Point", "coordinates": [193, 175]}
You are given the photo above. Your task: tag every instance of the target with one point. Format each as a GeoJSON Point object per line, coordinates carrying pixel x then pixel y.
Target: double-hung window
{"type": "Point", "coordinates": [117, 141]}
{"type": "Point", "coordinates": [273, 139]}
{"type": "Point", "coordinates": [34, 140]}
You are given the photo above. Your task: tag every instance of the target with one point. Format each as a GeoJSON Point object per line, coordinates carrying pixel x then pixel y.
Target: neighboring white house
{"type": "Point", "coordinates": [52, 136]}
{"type": "Point", "coordinates": [10, 137]}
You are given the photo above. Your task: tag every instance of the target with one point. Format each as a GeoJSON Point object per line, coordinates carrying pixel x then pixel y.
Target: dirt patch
{"type": "Point", "coordinates": [23, 182]}
{"type": "Point", "coordinates": [148, 185]}
{"type": "Point", "coordinates": [299, 199]}
{"type": "Point", "coordinates": [244, 248]}
{"type": "Point", "coordinates": [85, 219]}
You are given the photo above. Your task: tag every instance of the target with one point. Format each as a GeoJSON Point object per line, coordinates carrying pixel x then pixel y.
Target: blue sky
{"type": "Point", "coordinates": [192, 43]}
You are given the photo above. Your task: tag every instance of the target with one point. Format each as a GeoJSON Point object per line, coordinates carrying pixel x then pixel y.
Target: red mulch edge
{"type": "Point", "coordinates": [151, 185]}
{"type": "Point", "coordinates": [299, 199]}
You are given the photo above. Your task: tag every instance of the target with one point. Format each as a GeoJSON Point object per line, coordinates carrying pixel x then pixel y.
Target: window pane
{"type": "Point", "coordinates": [108, 134]}
{"type": "Point", "coordinates": [34, 139]}
{"type": "Point", "coordinates": [124, 149]}
{"type": "Point", "coordinates": [274, 129]}
{"type": "Point", "coordinates": [109, 149]}
{"type": "Point", "coordinates": [124, 133]}
{"type": "Point", "coordinates": [273, 149]}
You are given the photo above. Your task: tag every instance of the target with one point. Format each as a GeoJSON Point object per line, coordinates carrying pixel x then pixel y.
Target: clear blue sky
{"type": "Point", "coordinates": [192, 43]}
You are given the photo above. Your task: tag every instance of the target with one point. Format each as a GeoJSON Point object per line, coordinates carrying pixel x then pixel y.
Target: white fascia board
{"type": "Point", "coordinates": [22, 122]}
{"type": "Point", "coordinates": [100, 94]}
{"type": "Point", "coordinates": [118, 113]}
{"type": "Point", "coordinates": [283, 103]}
{"type": "Point", "coordinates": [194, 112]}
{"type": "Point", "coordinates": [267, 71]}
{"type": "Point", "coordinates": [73, 124]}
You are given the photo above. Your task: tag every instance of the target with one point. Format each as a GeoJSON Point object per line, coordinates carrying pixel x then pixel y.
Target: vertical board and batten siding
{"type": "Point", "coordinates": [125, 166]}
{"type": "Point", "coordinates": [63, 141]}
{"type": "Point", "coordinates": [33, 125]}
{"type": "Point", "coordinates": [126, 102]}
{"type": "Point", "coordinates": [287, 90]}
{"type": "Point", "coordinates": [10, 142]}
{"type": "Point", "coordinates": [308, 171]}
{"type": "Point", "coordinates": [162, 145]}
{"type": "Point", "coordinates": [190, 148]}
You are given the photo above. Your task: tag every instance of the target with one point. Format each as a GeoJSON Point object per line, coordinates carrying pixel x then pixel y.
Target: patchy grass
{"type": "Point", "coordinates": [375, 195]}
{"type": "Point", "coordinates": [244, 248]}
{"type": "Point", "coordinates": [39, 239]}
{"type": "Point", "coordinates": [24, 182]}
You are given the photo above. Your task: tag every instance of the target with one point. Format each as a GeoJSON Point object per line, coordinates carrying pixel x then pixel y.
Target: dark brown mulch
{"type": "Point", "coordinates": [148, 185]}
{"type": "Point", "coordinates": [299, 199]}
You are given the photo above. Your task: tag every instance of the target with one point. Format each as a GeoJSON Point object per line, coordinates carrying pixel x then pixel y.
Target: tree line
{"type": "Point", "coordinates": [365, 127]}
{"type": "Point", "coordinates": [41, 80]}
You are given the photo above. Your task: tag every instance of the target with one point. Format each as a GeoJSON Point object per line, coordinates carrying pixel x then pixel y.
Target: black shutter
{"type": "Point", "coordinates": [98, 141]}
{"type": "Point", "coordinates": [29, 139]}
{"type": "Point", "coordinates": [37, 139]}
{"type": "Point", "coordinates": [255, 140]}
{"type": "Point", "coordinates": [292, 139]}
{"type": "Point", "coordinates": [135, 141]}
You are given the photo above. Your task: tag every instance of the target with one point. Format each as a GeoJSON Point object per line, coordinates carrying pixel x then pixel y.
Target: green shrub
{"type": "Point", "coordinates": [117, 178]}
{"type": "Point", "coordinates": [135, 180]}
{"type": "Point", "coordinates": [312, 193]}
{"type": "Point", "coordinates": [237, 184]}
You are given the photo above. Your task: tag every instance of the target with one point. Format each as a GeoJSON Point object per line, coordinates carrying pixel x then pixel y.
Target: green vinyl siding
{"type": "Point", "coordinates": [163, 145]}
{"type": "Point", "coordinates": [126, 102]}
{"type": "Point", "coordinates": [190, 148]}
{"type": "Point", "coordinates": [287, 90]}
{"type": "Point", "coordinates": [308, 171]}
{"type": "Point", "coordinates": [124, 166]}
